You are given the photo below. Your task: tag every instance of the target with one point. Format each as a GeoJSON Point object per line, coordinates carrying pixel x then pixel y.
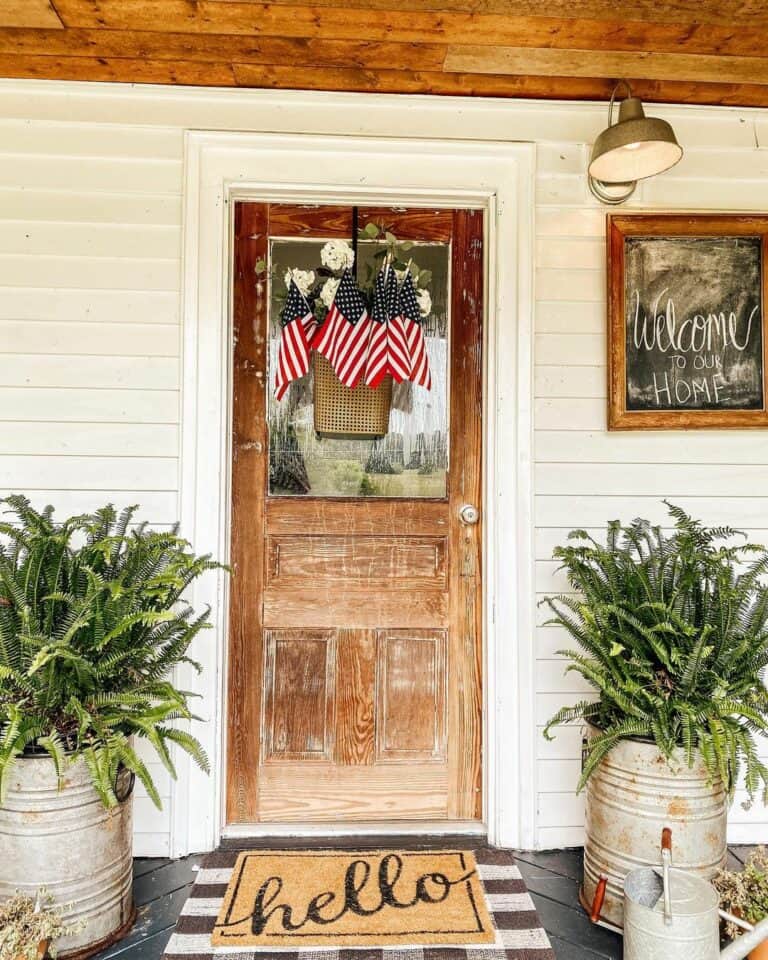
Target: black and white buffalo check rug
{"type": "Point", "coordinates": [267, 904]}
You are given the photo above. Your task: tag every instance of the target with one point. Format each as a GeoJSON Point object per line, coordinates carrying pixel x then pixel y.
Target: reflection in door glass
{"type": "Point", "coordinates": [412, 459]}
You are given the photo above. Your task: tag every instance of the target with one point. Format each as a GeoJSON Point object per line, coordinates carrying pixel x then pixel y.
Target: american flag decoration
{"type": "Point", "coordinates": [299, 327]}
{"type": "Point", "coordinates": [345, 334]}
{"type": "Point", "coordinates": [410, 315]}
{"type": "Point", "coordinates": [398, 357]}
{"type": "Point", "coordinates": [384, 311]}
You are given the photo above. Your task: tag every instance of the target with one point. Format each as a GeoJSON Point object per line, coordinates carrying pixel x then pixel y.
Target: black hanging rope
{"type": "Point", "coordinates": [355, 230]}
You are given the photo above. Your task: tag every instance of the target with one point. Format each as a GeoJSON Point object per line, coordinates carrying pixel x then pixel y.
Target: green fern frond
{"type": "Point", "coordinates": [92, 624]}
{"type": "Point", "coordinates": [672, 631]}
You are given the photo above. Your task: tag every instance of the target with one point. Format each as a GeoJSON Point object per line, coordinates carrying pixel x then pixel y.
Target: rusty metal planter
{"type": "Point", "coordinates": [632, 795]}
{"type": "Point", "coordinates": [65, 840]}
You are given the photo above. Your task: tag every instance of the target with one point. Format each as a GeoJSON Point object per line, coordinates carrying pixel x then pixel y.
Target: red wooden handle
{"type": "Point", "coordinates": [599, 898]}
{"type": "Point", "coordinates": [666, 839]}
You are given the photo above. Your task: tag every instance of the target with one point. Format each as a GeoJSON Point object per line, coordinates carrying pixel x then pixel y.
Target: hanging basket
{"type": "Point", "coordinates": [361, 413]}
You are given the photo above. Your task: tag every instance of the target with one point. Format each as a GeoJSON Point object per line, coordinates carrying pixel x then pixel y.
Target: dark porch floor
{"type": "Point", "coordinates": [162, 886]}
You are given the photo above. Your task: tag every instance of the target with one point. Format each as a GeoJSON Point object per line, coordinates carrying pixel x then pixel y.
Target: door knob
{"type": "Point", "coordinates": [469, 514]}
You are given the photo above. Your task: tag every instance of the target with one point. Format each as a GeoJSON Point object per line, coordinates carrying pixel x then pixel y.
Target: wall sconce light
{"type": "Point", "coordinates": [632, 149]}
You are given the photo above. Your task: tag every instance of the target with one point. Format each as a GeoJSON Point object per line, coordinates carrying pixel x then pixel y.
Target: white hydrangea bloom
{"type": "Point", "coordinates": [425, 302]}
{"type": "Point", "coordinates": [337, 255]}
{"type": "Point", "coordinates": [328, 291]}
{"type": "Point", "coordinates": [305, 279]}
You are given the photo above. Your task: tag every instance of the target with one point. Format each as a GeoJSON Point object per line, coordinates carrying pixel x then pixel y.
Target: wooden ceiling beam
{"type": "Point", "coordinates": [486, 85]}
{"type": "Point", "coordinates": [684, 50]}
{"type": "Point", "coordinates": [213, 48]}
{"type": "Point", "coordinates": [725, 12]}
{"type": "Point", "coordinates": [536, 33]}
{"type": "Point", "coordinates": [606, 63]}
{"type": "Point", "coordinates": [202, 73]}
{"type": "Point", "coordinates": [29, 13]}
{"type": "Point", "coordinates": [183, 73]}
{"type": "Point", "coordinates": [244, 18]}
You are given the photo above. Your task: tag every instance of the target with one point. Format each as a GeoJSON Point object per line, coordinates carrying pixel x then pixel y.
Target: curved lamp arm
{"type": "Point", "coordinates": [603, 191]}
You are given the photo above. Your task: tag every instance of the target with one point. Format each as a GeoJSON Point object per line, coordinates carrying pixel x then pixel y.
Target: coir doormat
{"type": "Point", "coordinates": [360, 905]}
{"type": "Point", "coordinates": [314, 897]}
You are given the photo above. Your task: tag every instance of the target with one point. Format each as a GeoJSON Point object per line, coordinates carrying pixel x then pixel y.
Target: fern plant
{"type": "Point", "coordinates": [672, 633]}
{"type": "Point", "coordinates": [92, 621]}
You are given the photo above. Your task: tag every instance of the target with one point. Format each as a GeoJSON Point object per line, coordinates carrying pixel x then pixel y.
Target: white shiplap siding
{"type": "Point", "coordinates": [90, 240]}
{"type": "Point", "coordinates": [90, 235]}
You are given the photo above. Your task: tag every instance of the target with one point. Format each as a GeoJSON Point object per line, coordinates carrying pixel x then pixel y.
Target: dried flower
{"type": "Point", "coordinates": [25, 922]}
{"type": "Point", "coordinates": [304, 279]}
{"type": "Point", "coordinates": [328, 291]}
{"type": "Point", "coordinates": [337, 255]}
{"type": "Point", "coordinates": [745, 892]}
{"type": "Point", "coordinates": [424, 299]}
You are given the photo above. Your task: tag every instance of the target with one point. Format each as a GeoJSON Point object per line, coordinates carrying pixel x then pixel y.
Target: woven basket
{"type": "Point", "coordinates": [361, 413]}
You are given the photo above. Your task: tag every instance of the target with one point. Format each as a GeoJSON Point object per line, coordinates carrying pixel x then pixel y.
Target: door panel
{"type": "Point", "coordinates": [332, 793]}
{"type": "Point", "coordinates": [355, 682]}
{"type": "Point", "coordinates": [411, 690]}
{"type": "Point", "coordinates": [299, 702]}
{"type": "Point", "coordinates": [364, 561]}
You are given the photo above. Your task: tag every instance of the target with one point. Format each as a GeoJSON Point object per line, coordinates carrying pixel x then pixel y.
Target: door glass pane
{"type": "Point", "coordinates": [411, 460]}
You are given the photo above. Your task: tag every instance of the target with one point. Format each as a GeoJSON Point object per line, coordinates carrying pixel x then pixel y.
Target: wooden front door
{"type": "Point", "coordinates": [355, 667]}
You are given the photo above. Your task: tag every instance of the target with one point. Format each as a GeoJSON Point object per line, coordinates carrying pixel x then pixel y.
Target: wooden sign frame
{"type": "Point", "coordinates": [620, 227]}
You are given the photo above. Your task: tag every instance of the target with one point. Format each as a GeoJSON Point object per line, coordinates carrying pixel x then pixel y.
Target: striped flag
{"type": "Point", "coordinates": [354, 338]}
{"type": "Point", "coordinates": [299, 326]}
{"type": "Point", "coordinates": [398, 358]}
{"type": "Point", "coordinates": [384, 310]}
{"type": "Point", "coordinates": [408, 308]}
{"type": "Point", "coordinates": [345, 334]}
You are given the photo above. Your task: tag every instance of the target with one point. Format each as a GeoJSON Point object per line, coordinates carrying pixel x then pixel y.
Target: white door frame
{"type": "Point", "coordinates": [495, 176]}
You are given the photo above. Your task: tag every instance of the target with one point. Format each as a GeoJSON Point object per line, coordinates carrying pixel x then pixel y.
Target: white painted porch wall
{"type": "Point", "coordinates": [90, 239]}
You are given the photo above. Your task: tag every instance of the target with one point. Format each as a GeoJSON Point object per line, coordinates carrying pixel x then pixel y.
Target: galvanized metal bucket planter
{"type": "Point", "coordinates": [630, 798]}
{"type": "Point", "coordinates": [67, 841]}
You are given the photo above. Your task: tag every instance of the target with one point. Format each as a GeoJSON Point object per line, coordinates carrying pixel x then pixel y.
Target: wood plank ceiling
{"type": "Point", "coordinates": [695, 51]}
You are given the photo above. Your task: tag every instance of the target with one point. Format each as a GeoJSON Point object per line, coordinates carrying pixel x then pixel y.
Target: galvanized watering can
{"type": "Point", "coordinates": [669, 914]}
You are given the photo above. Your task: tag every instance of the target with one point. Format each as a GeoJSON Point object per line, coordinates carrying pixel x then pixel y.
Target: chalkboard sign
{"type": "Point", "coordinates": [687, 337]}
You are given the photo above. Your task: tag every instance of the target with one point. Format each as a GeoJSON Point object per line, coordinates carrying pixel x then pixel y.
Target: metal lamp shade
{"type": "Point", "coordinates": [634, 148]}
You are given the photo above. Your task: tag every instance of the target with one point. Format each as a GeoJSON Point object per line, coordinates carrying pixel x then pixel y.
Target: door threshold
{"type": "Point", "coordinates": [362, 828]}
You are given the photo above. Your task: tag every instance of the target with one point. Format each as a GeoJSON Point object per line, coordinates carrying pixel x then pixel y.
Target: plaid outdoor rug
{"type": "Point", "coordinates": [220, 889]}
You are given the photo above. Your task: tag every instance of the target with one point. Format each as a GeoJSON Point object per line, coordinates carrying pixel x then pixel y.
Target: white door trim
{"type": "Point", "coordinates": [222, 167]}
